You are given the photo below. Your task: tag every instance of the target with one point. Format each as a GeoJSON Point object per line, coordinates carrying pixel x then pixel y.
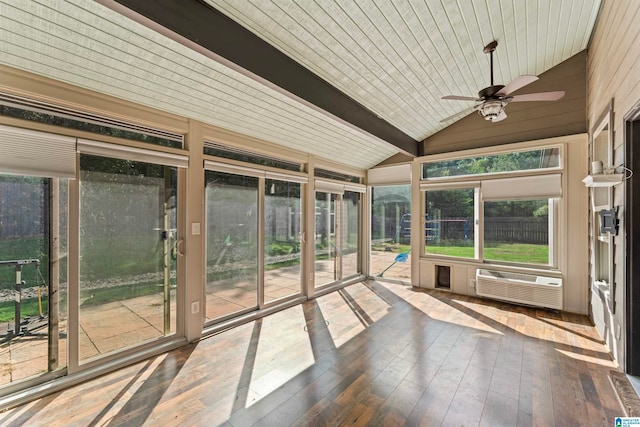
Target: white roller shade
{"type": "Point", "coordinates": [528, 187]}
{"type": "Point", "coordinates": [29, 152]}
{"type": "Point", "coordinates": [355, 188]}
{"type": "Point", "coordinates": [97, 148]}
{"type": "Point", "coordinates": [329, 186]}
{"type": "Point", "coordinates": [257, 173]}
{"type": "Point", "coordinates": [448, 185]}
{"type": "Point", "coordinates": [390, 175]}
{"type": "Point", "coordinates": [234, 169]}
{"type": "Point", "coordinates": [302, 179]}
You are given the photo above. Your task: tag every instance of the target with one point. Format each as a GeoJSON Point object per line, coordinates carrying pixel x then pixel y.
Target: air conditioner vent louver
{"type": "Point", "coordinates": [527, 289]}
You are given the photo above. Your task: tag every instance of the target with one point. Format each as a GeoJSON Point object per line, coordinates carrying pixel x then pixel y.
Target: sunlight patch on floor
{"type": "Point", "coordinates": [284, 350]}
{"type": "Point", "coordinates": [589, 359]}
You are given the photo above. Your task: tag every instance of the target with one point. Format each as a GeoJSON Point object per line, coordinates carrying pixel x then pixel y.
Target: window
{"type": "Point", "coordinates": [543, 158]}
{"type": "Point", "coordinates": [497, 218]}
{"type": "Point", "coordinates": [449, 222]}
{"type": "Point", "coordinates": [517, 231]}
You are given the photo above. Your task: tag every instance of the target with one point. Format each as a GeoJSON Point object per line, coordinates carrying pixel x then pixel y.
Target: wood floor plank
{"type": "Point", "coordinates": [373, 354]}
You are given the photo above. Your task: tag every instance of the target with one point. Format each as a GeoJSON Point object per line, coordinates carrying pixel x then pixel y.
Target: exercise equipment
{"type": "Point", "coordinates": [19, 284]}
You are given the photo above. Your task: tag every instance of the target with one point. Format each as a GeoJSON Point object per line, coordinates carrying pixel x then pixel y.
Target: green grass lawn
{"type": "Point", "coordinates": [28, 308]}
{"type": "Point", "coordinates": [512, 252]}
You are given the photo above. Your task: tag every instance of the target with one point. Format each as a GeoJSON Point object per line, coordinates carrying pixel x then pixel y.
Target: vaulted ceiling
{"type": "Point", "coordinates": [354, 82]}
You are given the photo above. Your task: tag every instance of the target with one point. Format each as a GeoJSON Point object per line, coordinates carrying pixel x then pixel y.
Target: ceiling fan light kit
{"type": "Point", "coordinates": [493, 99]}
{"type": "Point", "coordinates": [491, 110]}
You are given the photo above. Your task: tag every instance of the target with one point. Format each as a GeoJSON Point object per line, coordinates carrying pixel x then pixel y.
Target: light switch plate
{"type": "Point", "coordinates": [195, 228]}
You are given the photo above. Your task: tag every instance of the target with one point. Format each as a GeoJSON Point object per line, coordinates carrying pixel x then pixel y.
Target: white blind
{"type": "Point", "coordinates": [338, 187]}
{"type": "Point", "coordinates": [528, 187]}
{"type": "Point", "coordinates": [329, 186]}
{"type": "Point", "coordinates": [258, 173]}
{"type": "Point", "coordinates": [356, 188]}
{"type": "Point", "coordinates": [448, 185]}
{"type": "Point", "coordinates": [123, 152]}
{"type": "Point", "coordinates": [390, 175]}
{"type": "Point", "coordinates": [34, 153]}
{"type": "Point", "coordinates": [234, 169]}
{"type": "Point", "coordinates": [302, 179]}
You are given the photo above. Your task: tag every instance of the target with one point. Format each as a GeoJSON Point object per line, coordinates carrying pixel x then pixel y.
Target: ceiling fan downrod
{"type": "Point", "coordinates": [489, 49]}
{"type": "Point", "coordinates": [490, 91]}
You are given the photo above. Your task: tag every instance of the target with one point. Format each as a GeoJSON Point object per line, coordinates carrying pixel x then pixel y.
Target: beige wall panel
{"type": "Point", "coordinates": [613, 72]}
{"type": "Point", "coordinates": [575, 255]}
{"type": "Point", "coordinates": [526, 121]}
{"type": "Point", "coordinates": [22, 83]}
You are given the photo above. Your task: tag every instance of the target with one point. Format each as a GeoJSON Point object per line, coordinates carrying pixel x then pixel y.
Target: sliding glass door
{"type": "Point", "coordinates": [127, 286]}
{"type": "Point", "coordinates": [232, 244]}
{"type": "Point", "coordinates": [337, 236]}
{"type": "Point", "coordinates": [33, 277]}
{"type": "Point", "coordinates": [254, 248]}
{"type": "Point", "coordinates": [328, 261]}
{"type": "Point", "coordinates": [282, 246]}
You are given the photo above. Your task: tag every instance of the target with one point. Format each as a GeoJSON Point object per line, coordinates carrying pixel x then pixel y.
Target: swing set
{"type": "Point", "coordinates": [21, 327]}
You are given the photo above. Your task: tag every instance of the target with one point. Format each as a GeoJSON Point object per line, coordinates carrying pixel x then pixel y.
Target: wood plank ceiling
{"type": "Point", "coordinates": [395, 58]}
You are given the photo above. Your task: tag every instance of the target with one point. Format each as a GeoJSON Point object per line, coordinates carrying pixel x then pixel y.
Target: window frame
{"type": "Point", "coordinates": [492, 151]}
{"type": "Point", "coordinates": [476, 180]}
{"type": "Point", "coordinates": [477, 208]}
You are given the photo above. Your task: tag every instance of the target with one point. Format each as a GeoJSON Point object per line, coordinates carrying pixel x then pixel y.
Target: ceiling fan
{"type": "Point", "coordinates": [494, 98]}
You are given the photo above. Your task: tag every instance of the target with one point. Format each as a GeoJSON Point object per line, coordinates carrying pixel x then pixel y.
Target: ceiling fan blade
{"type": "Point", "coordinates": [540, 96]}
{"type": "Point", "coordinates": [461, 98]}
{"type": "Point", "coordinates": [517, 83]}
{"type": "Point", "coordinates": [499, 117]}
{"type": "Point", "coordinates": [459, 114]}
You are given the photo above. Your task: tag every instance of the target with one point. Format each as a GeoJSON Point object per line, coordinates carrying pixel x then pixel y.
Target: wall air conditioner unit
{"type": "Point", "coordinates": [520, 288]}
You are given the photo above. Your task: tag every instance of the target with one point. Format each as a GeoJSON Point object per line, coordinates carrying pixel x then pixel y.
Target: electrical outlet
{"type": "Point", "coordinates": [472, 283]}
{"type": "Point", "coordinates": [195, 307]}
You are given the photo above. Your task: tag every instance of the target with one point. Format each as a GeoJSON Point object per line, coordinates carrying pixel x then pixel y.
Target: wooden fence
{"type": "Point", "coordinates": [517, 230]}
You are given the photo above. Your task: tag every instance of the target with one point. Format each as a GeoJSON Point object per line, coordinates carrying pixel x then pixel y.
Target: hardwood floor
{"type": "Point", "coordinates": [370, 354]}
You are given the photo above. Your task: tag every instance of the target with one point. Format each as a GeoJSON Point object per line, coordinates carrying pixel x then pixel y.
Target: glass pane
{"type": "Point", "coordinates": [282, 250]}
{"type": "Point", "coordinates": [33, 314]}
{"type": "Point", "coordinates": [449, 228]}
{"type": "Point", "coordinates": [391, 232]}
{"type": "Point", "coordinates": [127, 253]}
{"type": "Point", "coordinates": [232, 244]}
{"type": "Point", "coordinates": [350, 234]}
{"type": "Point", "coordinates": [517, 231]}
{"type": "Point", "coordinates": [545, 158]}
{"type": "Point", "coordinates": [327, 264]}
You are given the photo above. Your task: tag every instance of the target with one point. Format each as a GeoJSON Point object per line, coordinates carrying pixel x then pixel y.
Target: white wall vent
{"type": "Point", "coordinates": [527, 289]}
